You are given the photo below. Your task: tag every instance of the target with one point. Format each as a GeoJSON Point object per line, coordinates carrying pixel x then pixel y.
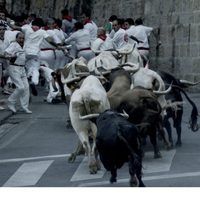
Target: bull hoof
{"type": "Point", "coordinates": [172, 144]}
{"type": "Point", "coordinates": [169, 147]}
{"type": "Point", "coordinates": [93, 168]}
{"type": "Point", "coordinates": [68, 124]}
{"type": "Point", "coordinates": [98, 165]}
{"type": "Point", "coordinates": [178, 144]}
{"type": "Point", "coordinates": [157, 155]}
{"type": "Point", "coordinates": [113, 179]}
{"type": "Point", "coordinates": [72, 158]}
{"type": "Point", "coordinates": [160, 137]}
{"type": "Point", "coordinates": [142, 184]}
{"type": "Point", "coordinates": [134, 182]}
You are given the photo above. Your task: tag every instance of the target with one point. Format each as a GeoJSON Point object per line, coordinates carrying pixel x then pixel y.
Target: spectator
{"type": "Point", "coordinates": [102, 42]}
{"type": "Point", "coordinates": [142, 34]}
{"type": "Point", "coordinates": [4, 43]}
{"type": "Point", "coordinates": [34, 36]}
{"type": "Point", "coordinates": [54, 95]}
{"type": "Point", "coordinates": [67, 22]}
{"type": "Point", "coordinates": [108, 26]}
{"type": "Point", "coordinates": [3, 19]}
{"type": "Point", "coordinates": [17, 74]}
{"type": "Point", "coordinates": [81, 37]}
{"type": "Point", "coordinates": [128, 23]}
{"type": "Point", "coordinates": [89, 25]}
{"type": "Point", "coordinates": [119, 34]}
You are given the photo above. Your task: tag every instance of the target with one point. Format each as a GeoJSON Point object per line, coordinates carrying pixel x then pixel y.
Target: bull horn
{"type": "Point", "coordinates": [96, 52]}
{"type": "Point", "coordinates": [102, 78]}
{"type": "Point", "coordinates": [158, 92]}
{"type": "Point", "coordinates": [174, 105]}
{"type": "Point", "coordinates": [106, 72]}
{"type": "Point", "coordinates": [143, 124]}
{"type": "Point", "coordinates": [131, 67]}
{"type": "Point", "coordinates": [124, 52]}
{"type": "Point", "coordinates": [124, 114]}
{"type": "Point", "coordinates": [82, 74]}
{"type": "Point", "coordinates": [147, 65]}
{"type": "Point", "coordinates": [66, 81]}
{"type": "Point", "coordinates": [158, 78]}
{"type": "Point", "coordinates": [114, 52]}
{"type": "Point", "coordinates": [90, 116]}
{"type": "Point", "coordinates": [189, 83]}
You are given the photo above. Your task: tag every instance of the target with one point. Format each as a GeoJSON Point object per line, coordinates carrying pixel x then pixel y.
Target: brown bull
{"type": "Point", "coordinates": [140, 104]}
{"type": "Point", "coordinates": [143, 108]}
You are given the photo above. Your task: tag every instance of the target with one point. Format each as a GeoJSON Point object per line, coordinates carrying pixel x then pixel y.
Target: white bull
{"type": "Point", "coordinates": [149, 79]}
{"type": "Point", "coordinates": [104, 62]}
{"type": "Point", "coordinates": [88, 102]}
{"type": "Point", "coordinates": [129, 53]}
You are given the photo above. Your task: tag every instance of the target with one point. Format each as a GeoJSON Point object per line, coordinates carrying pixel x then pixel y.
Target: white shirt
{"type": "Point", "coordinates": [92, 28]}
{"type": "Point", "coordinates": [129, 32]}
{"type": "Point", "coordinates": [33, 40]}
{"type": "Point", "coordinates": [11, 35]}
{"type": "Point", "coordinates": [67, 26]}
{"type": "Point", "coordinates": [60, 34]}
{"type": "Point", "coordinates": [142, 33]}
{"type": "Point", "coordinates": [3, 45]}
{"type": "Point", "coordinates": [15, 50]}
{"type": "Point", "coordinates": [118, 39]}
{"type": "Point", "coordinates": [55, 38]}
{"type": "Point", "coordinates": [102, 45]}
{"type": "Point", "coordinates": [5, 23]}
{"type": "Point", "coordinates": [81, 39]}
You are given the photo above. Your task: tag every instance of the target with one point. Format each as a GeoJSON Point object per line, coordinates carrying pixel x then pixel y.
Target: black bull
{"type": "Point", "coordinates": [118, 142]}
{"type": "Point", "coordinates": [175, 95]}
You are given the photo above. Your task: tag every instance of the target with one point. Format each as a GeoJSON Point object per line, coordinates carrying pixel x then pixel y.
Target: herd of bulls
{"type": "Point", "coordinates": [116, 102]}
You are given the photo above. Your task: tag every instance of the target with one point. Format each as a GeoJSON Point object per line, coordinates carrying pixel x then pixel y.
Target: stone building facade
{"type": "Point", "coordinates": [179, 22]}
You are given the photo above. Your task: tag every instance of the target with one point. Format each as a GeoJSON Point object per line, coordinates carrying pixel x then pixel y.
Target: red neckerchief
{"type": "Point", "coordinates": [87, 21]}
{"type": "Point", "coordinates": [46, 28]}
{"type": "Point", "coordinates": [67, 17]}
{"type": "Point", "coordinates": [103, 37]}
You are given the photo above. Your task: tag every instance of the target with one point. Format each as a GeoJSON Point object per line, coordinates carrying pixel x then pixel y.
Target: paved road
{"type": "Point", "coordinates": [34, 151]}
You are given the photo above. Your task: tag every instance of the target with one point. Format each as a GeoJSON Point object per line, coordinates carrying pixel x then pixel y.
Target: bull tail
{"type": "Point", "coordinates": [194, 114]}
{"type": "Point", "coordinates": [135, 157]}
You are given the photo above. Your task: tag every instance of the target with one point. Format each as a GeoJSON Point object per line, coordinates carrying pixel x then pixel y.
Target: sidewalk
{"type": "Point", "coordinates": [4, 114]}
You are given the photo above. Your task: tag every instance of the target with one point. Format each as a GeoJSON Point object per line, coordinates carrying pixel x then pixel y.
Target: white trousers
{"type": "Point", "coordinates": [21, 93]}
{"type": "Point", "coordinates": [32, 66]}
{"type": "Point", "coordinates": [49, 57]}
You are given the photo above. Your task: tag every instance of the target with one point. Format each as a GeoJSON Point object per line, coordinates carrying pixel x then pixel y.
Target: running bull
{"type": "Point", "coordinates": [118, 142]}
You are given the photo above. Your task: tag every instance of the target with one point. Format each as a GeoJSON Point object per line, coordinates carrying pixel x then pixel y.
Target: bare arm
{"type": "Point", "coordinates": [14, 27]}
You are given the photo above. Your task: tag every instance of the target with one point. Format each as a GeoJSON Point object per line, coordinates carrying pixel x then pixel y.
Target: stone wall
{"type": "Point", "coordinates": [179, 22]}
